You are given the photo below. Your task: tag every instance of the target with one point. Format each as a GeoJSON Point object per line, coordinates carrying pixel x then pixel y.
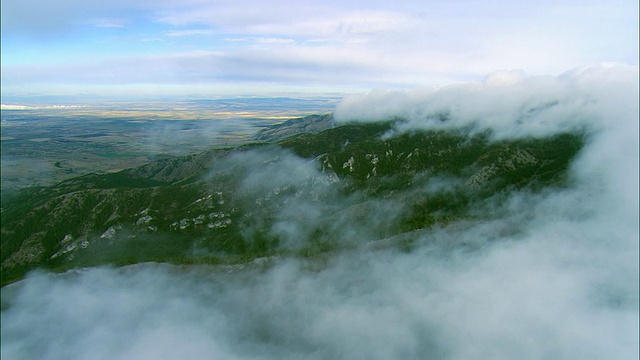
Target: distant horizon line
{"type": "Point", "coordinates": [32, 102]}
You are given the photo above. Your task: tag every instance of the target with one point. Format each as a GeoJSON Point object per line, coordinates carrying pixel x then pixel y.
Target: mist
{"type": "Point", "coordinates": [509, 103]}
{"type": "Point", "coordinates": [547, 275]}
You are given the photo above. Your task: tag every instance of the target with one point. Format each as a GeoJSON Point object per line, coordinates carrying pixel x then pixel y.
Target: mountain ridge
{"type": "Point", "coordinates": [286, 197]}
{"type": "Point", "coordinates": [312, 124]}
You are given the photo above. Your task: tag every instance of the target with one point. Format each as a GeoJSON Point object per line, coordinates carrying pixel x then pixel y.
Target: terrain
{"type": "Point", "coordinates": [289, 192]}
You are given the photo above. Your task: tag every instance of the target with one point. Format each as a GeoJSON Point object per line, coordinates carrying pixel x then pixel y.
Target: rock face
{"type": "Point", "coordinates": [287, 198]}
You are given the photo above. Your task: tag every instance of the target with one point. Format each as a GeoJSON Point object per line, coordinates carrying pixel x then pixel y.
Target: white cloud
{"type": "Point", "coordinates": [260, 63]}
{"type": "Point", "coordinates": [404, 44]}
{"type": "Point", "coordinates": [552, 275]}
{"type": "Point", "coordinates": [273, 41]}
{"type": "Point", "coordinates": [107, 23]}
{"type": "Point", "coordinates": [190, 32]}
{"type": "Point", "coordinates": [507, 102]}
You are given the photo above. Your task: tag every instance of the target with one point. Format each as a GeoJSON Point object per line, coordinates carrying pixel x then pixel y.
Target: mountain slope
{"type": "Point", "coordinates": [291, 198]}
{"type": "Point", "coordinates": [311, 124]}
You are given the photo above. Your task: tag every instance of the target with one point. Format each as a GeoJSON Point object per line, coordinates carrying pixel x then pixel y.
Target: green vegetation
{"type": "Point", "coordinates": [199, 209]}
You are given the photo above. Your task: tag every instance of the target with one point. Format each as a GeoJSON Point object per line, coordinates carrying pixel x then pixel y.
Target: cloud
{"type": "Point", "coordinates": [190, 32]}
{"type": "Point", "coordinates": [550, 275]}
{"type": "Point", "coordinates": [269, 61]}
{"type": "Point", "coordinates": [151, 337]}
{"type": "Point", "coordinates": [108, 23]}
{"type": "Point", "coordinates": [331, 43]}
{"type": "Point", "coordinates": [274, 41]}
{"type": "Point", "coordinates": [507, 102]}
{"type": "Point", "coordinates": [301, 205]}
{"type": "Point", "coordinates": [441, 33]}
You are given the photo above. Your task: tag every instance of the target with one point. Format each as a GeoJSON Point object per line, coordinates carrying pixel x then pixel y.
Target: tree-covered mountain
{"type": "Point", "coordinates": [293, 195]}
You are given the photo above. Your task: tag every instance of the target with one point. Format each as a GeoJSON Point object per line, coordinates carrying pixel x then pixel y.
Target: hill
{"type": "Point", "coordinates": [293, 196]}
{"type": "Point", "coordinates": [312, 124]}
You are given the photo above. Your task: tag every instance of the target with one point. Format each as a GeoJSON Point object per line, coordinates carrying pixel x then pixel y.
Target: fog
{"type": "Point", "coordinates": [548, 275]}
{"type": "Point", "coordinates": [509, 103]}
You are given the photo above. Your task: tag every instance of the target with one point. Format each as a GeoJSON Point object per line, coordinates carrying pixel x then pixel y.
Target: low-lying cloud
{"type": "Point", "coordinates": [508, 102]}
{"type": "Point", "coordinates": [549, 275]}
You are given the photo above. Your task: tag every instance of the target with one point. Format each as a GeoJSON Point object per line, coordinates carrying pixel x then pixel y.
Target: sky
{"type": "Point", "coordinates": [209, 47]}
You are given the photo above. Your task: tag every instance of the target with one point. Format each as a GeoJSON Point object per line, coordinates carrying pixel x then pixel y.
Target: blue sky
{"type": "Point", "coordinates": [172, 47]}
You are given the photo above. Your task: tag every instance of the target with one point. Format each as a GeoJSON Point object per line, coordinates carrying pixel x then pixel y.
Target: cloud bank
{"type": "Point", "coordinates": [508, 102]}
{"type": "Point", "coordinates": [549, 275]}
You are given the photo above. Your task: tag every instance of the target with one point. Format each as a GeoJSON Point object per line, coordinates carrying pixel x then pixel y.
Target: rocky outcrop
{"type": "Point", "coordinates": [198, 208]}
